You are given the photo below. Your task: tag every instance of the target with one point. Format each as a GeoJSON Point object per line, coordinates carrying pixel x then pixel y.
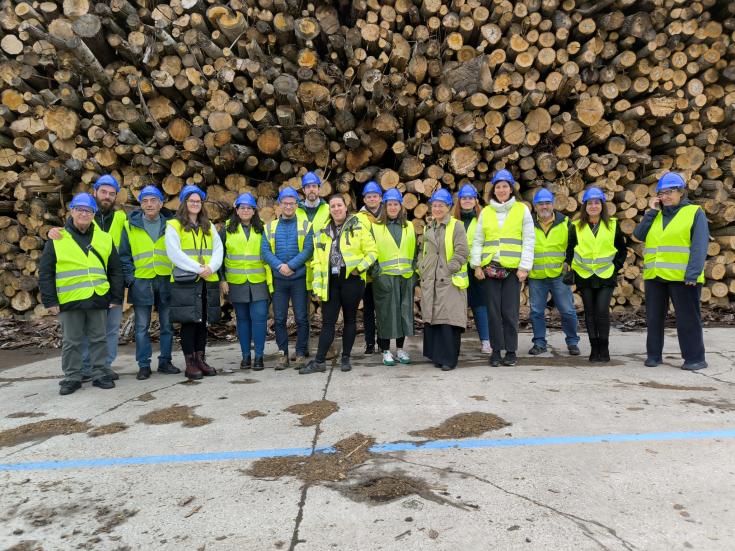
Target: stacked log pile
{"type": "Point", "coordinates": [417, 94]}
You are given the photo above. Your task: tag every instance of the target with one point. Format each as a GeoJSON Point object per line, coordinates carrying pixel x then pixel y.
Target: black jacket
{"type": "Point", "coordinates": [47, 275]}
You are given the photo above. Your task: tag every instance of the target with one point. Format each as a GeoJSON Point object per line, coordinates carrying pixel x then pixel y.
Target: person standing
{"type": "Point", "coordinates": [552, 236]}
{"type": "Point", "coordinates": [676, 235]}
{"type": "Point", "coordinates": [287, 249]}
{"type": "Point", "coordinates": [372, 196]}
{"type": "Point", "coordinates": [443, 268]}
{"type": "Point", "coordinates": [393, 280]}
{"type": "Point", "coordinates": [596, 251]}
{"type": "Point", "coordinates": [195, 249]}
{"type": "Point", "coordinates": [343, 251]}
{"type": "Point", "coordinates": [80, 279]}
{"type": "Point", "coordinates": [147, 271]}
{"type": "Point", "coordinates": [246, 278]}
{"type": "Point", "coordinates": [467, 210]}
{"type": "Point", "coordinates": [502, 256]}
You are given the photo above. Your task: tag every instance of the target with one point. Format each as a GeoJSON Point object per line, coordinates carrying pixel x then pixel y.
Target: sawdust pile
{"type": "Point", "coordinates": [313, 413]}
{"type": "Point", "coordinates": [252, 414]}
{"type": "Point", "coordinates": [662, 386]}
{"type": "Point", "coordinates": [175, 414]}
{"type": "Point", "coordinates": [463, 425]}
{"type": "Point", "coordinates": [147, 397]}
{"type": "Point", "coordinates": [244, 382]}
{"type": "Point", "coordinates": [41, 430]}
{"type": "Point", "coordinates": [384, 489]}
{"type": "Point", "coordinates": [723, 405]}
{"type": "Point", "coordinates": [102, 430]}
{"type": "Point", "coordinates": [24, 414]}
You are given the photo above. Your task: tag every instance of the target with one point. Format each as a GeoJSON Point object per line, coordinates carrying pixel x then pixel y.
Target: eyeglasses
{"type": "Point", "coordinates": [288, 204]}
{"type": "Point", "coordinates": [86, 212]}
{"type": "Point", "coordinates": [194, 202]}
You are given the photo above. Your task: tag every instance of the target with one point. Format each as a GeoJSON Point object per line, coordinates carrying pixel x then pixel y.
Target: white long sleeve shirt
{"type": "Point", "coordinates": [528, 235]}
{"type": "Point", "coordinates": [181, 260]}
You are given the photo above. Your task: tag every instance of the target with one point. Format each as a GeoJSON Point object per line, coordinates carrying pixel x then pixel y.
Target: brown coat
{"type": "Point", "coordinates": [441, 301]}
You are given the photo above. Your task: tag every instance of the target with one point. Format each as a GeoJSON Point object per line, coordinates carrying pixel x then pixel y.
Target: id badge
{"type": "Point", "coordinates": [335, 270]}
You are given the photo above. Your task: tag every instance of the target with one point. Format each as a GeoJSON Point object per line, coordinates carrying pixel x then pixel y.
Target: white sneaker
{"type": "Point", "coordinates": [402, 356]}
{"type": "Point", "coordinates": [388, 358]}
{"type": "Point", "coordinates": [486, 347]}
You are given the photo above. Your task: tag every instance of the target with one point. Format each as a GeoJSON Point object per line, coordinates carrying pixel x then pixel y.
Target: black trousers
{"type": "Point", "coordinates": [194, 335]}
{"type": "Point", "coordinates": [503, 297]}
{"type": "Point", "coordinates": [686, 300]}
{"type": "Point", "coordinates": [596, 302]}
{"type": "Point", "coordinates": [344, 294]}
{"type": "Point", "coordinates": [368, 314]}
{"type": "Point", "coordinates": [384, 344]}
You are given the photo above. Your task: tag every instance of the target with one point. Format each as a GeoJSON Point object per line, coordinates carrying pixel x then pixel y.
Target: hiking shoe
{"type": "Point", "coordinates": [313, 367]}
{"type": "Point", "coordinates": [283, 362]}
{"type": "Point", "coordinates": [86, 378]}
{"type": "Point", "coordinates": [112, 375]}
{"type": "Point", "coordinates": [258, 364]}
{"type": "Point", "coordinates": [388, 358]}
{"type": "Point", "coordinates": [369, 349]}
{"type": "Point", "coordinates": [510, 358]}
{"type": "Point", "coordinates": [694, 366]}
{"type": "Point", "coordinates": [168, 368]}
{"type": "Point", "coordinates": [345, 365]}
{"type": "Point", "coordinates": [104, 382]}
{"type": "Point", "coordinates": [402, 356]}
{"type": "Point", "coordinates": [486, 348]}
{"type": "Point", "coordinates": [650, 362]}
{"type": "Point", "coordinates": [300, 362]}
{"type": "Point", "coordinates": [446, 368]}
{"type": "Point", "coordinates": [69, 387]}
{"type": "Point", "coordinates": [495, 358]}
{"type": "Point", "coordinates": [143, 373]}
{"type": "Point", "coordinates": [246, 363]}
{"type": "Point", "coordinates": [573, 350]}
{"type": "Point", "coordinates": [536, 350]}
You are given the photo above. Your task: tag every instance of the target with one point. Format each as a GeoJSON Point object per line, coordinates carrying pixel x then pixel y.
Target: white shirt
{"type": "Point", "coordinates": [181, 260]}
{"type": "Point", "coordinates": [528, 235]}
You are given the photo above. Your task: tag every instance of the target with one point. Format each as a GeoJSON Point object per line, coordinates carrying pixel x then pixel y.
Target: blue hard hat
{"type": "Point", "coordinates": [443, 196]}
{"type": "Point", "coordinates": [107, 180]}
{"type": "Point", "coordinates": [503, 176]}
{"type": "Point", "coordinates": [310, 178]}
{"type": "Point", "coordinates": [246, 199]}
{"type": "Point", "coordinates": [288, 192]}
{"type": "Point", "coordinates": [150, 191]}
{"type": "Point", "coordinates": [543, 196]}
{"type": "Point", "coordinates": [371, 187]}
{"type": "Point", "coordinates": [83, 200]}
{"type": "Point", "coordinates": [670, 180]}
{"type": "Point", "coordinates": [393, 195]}
{"type": "Point", "coordinates": [593, 193]}
{"type": "Point", "coordinates": [467, 190]}
{"type": "Point", "coordinates": [188, 190]}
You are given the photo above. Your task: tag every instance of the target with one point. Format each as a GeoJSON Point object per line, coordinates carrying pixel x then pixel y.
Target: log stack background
{"type": "Point", "coordinates": [417, 94]}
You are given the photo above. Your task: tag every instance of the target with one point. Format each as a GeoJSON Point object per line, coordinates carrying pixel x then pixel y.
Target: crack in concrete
{"type": "Point", "coordinates": [305, 488]}
{"type": "Point", "coordinates": [580, 522]}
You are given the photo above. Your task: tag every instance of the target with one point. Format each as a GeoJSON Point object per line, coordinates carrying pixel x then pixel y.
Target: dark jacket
{"type": "Point", "coordinates": [186, 301]}
{"type": "Point", "coordinates": [287, 249]}
{"type": "Point", "coordinates": [142, 292]}
{"type": "Point", "coordinates": [47, 275]}
{"type": "Point", "coordinates": [596, 281]}
{"type": "Point", "coordinates": [699, 236]}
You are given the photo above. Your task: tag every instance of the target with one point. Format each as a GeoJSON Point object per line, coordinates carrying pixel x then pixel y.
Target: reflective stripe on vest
{"type": "Point", "coordinates": [79, 275]}
{"type": "Point", "coordinates": [460, 279]}
{"type": "Point", "coordinates": [394, 259]}
{"type": "Point", "coordinates": [667, 250]}
{"type": "Point", "coordinates": [242, 257]}
{"type": "Point", "coordinates": [149, 258]}
{"type": "Point", "coordinates": [594, 255]}
{"type": "Point", "coordinates": [192, 243]}
{"type": "Point", "coordinates": [550, 251]}
{"type": "Point", "coordinates": [116, 226]}
{"type": "Point", "coordinates": [506, 241]}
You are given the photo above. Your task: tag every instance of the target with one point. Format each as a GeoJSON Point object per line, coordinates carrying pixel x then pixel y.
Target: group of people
{"type": "Point", "coordinates": [468, 256]}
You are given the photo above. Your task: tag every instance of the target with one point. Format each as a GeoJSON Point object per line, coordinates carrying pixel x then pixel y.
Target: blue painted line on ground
{"type": "Point", "coordinates": [378, 448]}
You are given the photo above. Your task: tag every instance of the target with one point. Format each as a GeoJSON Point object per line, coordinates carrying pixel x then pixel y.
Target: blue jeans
{"type": "Point", "coordinates": [564, 302]}
{"type": "Point", "coordinates": [252, 318]}
{"type": "Point", "coordinates": [143, 350]}
{"type": "Point", "coordinates": [295, 290]}
{"type": "Point", "coordinates": [112, 334]}
{"type": "Point", "coordinates": [482, 322]}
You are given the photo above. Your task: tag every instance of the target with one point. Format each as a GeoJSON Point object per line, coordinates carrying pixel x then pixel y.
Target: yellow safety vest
{"type": "Point", "coordinates": [116, 227]}
{"type": "Point", "coordinates": [302, 221]}
{"type": "Point", "coordinates": [667, 250]}
{"type": "Point", "coordinates": [594, 255]}
{"type": "Point", "coordinates": [507, 241]}
{"type": "Point", "coordinates": [550, 251]}
{"type": "Point", "coordinates": [392, 259]}
{"type": "Point", "coordinates": [471, 229]}
{"type": "Point", "coordinates": [367, 220]}
{"type": "Point", "coordinates": [460, 279]}
{"type": "Point", "coordinates": [321, 217]}
{"type": "Point", "coordinates": [149, 257]}
{"type": "Point", "coordinates": [80, 274]}
{"type": "Point", "coordinates": [243, 263]}
{"type": "Point", "coordinates": [195, 244]}
{"type": "Point", "coordinates": [358, 250]}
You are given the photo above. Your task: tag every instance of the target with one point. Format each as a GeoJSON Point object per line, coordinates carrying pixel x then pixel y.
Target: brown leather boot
{"type": "Point", "coordinates": [207, 370]}
{"type": "Point", "coordinates": [192, 367]}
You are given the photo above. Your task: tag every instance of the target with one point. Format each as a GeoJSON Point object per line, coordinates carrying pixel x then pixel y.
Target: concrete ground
{"type": "Point", "coordinates": [615, 456]}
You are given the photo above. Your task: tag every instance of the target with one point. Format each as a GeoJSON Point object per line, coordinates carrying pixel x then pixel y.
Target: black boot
{"type": "Point", "coordinates": [604, 351]}
{"type": "Point", "coordinates": [258, 364]}
{"type": "Point", "coordinates": [346, 365]}
{"type": "Point", "coordinates": [594, 349]}
{"type": "Point", "coordinates": [245, 363]}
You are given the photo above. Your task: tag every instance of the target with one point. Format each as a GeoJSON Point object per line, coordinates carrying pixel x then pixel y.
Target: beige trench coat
{"type": "Point", "coordinates": [441, 301]}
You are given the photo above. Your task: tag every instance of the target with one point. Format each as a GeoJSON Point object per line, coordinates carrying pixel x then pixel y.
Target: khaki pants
{"type": "Point", "coordinates": [75, 326]}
